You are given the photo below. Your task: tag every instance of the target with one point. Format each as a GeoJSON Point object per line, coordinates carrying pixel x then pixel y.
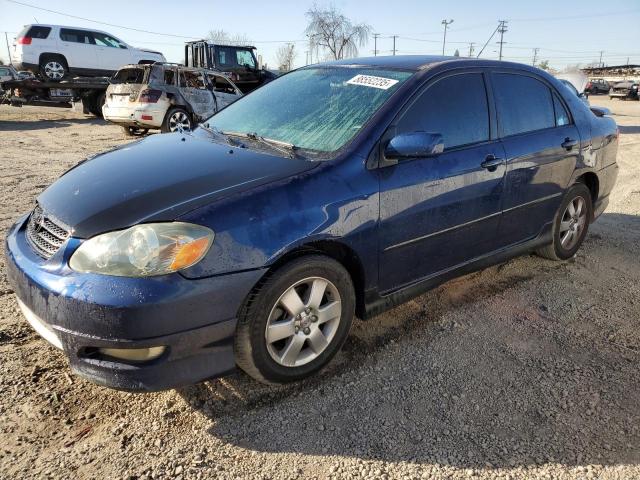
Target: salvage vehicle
{"type": "Point", "coordinates": [165, 96]}
{"type": "Point", "coordinates": [239, 63]}
{"type": "Point", "coordinates": [624, 90]}
{"type": "Point", "coordinates": [338, 190]}
{"type": "Point", "coordinates": [54, 52]}
{"type": "Point", "coordinates": [597, 85]}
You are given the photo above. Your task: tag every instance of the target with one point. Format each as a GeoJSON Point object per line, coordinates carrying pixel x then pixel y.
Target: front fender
{"type": "Point", "coordinates": [255, 228]}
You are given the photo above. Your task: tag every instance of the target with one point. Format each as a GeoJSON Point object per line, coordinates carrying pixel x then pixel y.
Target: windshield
{"type": "Point", "coordinates": [318, 109]}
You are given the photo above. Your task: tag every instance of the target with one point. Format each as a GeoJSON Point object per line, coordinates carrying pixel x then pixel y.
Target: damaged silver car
{"type": "Point", "coordinates": [165, 96]}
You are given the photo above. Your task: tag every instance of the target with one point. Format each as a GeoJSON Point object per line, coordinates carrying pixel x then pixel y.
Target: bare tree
{"type": "Point", "coordinates": [222, 37]}
{"type": "Point", "coordinates": [544, 65]}
{"type": "Point", "coordinates": [285, 56]}
{"type": "Point", "coordinates": [330, 30]}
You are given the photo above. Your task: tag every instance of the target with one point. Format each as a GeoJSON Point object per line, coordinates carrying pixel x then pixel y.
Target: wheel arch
{"type": "Point", "coordinates": [339, 252]}
{"type": "Point", "coordinates": [53, 54]}
{"type": "Point", "coordinates": [590, 179]}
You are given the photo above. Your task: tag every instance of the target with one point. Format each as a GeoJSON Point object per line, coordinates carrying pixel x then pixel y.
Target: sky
{"type": "Point", "coordinates": [565, 32]}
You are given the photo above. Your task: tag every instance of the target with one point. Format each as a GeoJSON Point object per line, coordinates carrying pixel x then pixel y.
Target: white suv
{"type": "Point", "coordinates": [53, 51]}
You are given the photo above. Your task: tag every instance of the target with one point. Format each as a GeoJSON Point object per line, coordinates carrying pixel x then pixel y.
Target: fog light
{"type": "Point", "coordinates": [133, 354]}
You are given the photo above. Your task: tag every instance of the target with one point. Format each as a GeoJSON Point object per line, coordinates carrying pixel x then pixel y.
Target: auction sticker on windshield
{"type": "Point", "coordinates": [371, 81]}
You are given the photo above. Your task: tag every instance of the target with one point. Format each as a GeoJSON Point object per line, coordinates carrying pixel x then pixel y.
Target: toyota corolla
{"type": "Point", "coordinates": [338, 190]}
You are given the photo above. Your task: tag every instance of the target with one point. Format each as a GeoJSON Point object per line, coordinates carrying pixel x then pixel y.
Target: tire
{"type": "Point", "coordinates": [134, 131]}
{"type": "Point", "coordinates": [53, 68]}
{"type": "Point", "coordinates": [319, 331]}
{"type": "Point", "coordinates": [95, 106]}
{"type": "Point", "coordinates": [174, 117]}
{"type": "Point", "coordinates": [570, 229]}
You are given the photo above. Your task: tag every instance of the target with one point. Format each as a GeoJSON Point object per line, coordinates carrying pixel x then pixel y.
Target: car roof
{"type": "Point", "coordinates": [422, 62]}
{"type": "Point", "coordinates": [85, 29]}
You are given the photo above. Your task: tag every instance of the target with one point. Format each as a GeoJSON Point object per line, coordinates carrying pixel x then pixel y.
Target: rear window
{"type": "Point", "coordinates": [37, 32]}
{"type": "Point", "coordinates": [524, 104]}
{"type": "Point", "coordinates": [129, 75]}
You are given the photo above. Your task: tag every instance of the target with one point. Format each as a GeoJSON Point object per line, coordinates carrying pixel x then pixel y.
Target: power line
{"type": "Point", "coordinates": [487, 43]}
{"type": "Point", "coordinates": [99, 22]}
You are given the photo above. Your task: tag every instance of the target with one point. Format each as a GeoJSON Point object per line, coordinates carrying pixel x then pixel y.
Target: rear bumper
{"type": "Point", "coordinates": [146, 116]}
{"type": "Point", "coordinates": [80, 313]}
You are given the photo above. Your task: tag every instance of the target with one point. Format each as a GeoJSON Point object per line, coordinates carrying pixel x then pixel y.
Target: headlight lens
{"type": "Point", "coordinates": [144, 250]}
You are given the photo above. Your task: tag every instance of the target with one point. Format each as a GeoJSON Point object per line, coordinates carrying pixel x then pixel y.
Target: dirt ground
{"type": "Point", "coordinates": [530, 369]}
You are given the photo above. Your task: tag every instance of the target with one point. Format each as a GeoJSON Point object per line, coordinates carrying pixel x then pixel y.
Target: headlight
{"type": "Point", "coordinates": [143, 250]}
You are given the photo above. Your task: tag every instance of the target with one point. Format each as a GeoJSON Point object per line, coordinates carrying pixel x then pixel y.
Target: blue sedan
{"type": "Point", "coordinates": [337, 190]}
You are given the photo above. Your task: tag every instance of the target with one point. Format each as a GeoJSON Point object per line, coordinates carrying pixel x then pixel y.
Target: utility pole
{"type": "Point", "coordinates": [535, 56]}
{"type": "Point", "coordinates": [394, 43]}
{"type": "Point", "coordinates": [6, 38]}
{"type": "Point", "coordinates": [600, 62]}
{"type": "Point", "coordinates": [471, 44]}
{"type": "Point", "coordinates": [306, 57]}
{"type": "Point", "coordinates": [502, 28]}
{"type": "Point", "coordinates": [444, 39]}
{"type": "Point", "coordinates": [375, 44]}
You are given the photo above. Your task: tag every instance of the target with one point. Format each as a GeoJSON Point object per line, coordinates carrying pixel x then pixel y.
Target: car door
{"type": "Point", "coordinates": [542, 145]}
{"type": "Point", "coordinates": [439, 212]}
{"type": "Point", "coordinates": [79, 49]}
{"type": "Point", "coordinates": [223, 90]}
{"type": "Point", "coordinates": [112, 53]}
{"type": "Point", "coordinates": [193, 88]}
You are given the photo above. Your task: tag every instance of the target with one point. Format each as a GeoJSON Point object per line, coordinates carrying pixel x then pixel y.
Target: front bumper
{"type": "Point", "coordinates": [194, 319]}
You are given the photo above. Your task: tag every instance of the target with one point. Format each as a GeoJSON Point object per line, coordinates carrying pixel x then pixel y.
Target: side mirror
{"type": "Point", "coordinates": [600, 111]}
{"type": "Point", "coordinates": [413, 145]}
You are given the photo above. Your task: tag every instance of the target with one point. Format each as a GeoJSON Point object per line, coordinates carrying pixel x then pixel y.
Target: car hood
{"type": "Point", "coordinates": [157, 179]}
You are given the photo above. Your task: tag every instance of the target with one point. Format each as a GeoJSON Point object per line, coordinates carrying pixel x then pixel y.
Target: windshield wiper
{"type": "Point", "coordinates": [283, 147]}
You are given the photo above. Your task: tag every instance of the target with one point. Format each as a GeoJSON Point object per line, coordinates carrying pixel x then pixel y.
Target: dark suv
{"type": "Point", "coordinates": [239, 63]}
{"type": "Point", "coordinates": [597, 85]}
{"type": "Point", "coordinates": [337, 190]}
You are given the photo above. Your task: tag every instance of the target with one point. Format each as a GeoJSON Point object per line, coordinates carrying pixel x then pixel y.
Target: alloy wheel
{"type": "Point", "coordinates": [179, 121]}
{"type": "Point", "coordinates": [303, 322]}
{"type": "Point", "coordinates": [573, 223]}
{"type": "Point", "coordinates": [54, 70]}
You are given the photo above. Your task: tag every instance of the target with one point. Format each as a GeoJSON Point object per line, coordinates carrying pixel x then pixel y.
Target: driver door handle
{"type": "Point", "coordinates": [491, 162]}
{"type": "Point", "coordinates": [569, 143]}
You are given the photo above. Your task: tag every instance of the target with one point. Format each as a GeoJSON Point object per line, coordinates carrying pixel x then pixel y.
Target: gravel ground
{"type": "Point", "coordinates": [526, 370]}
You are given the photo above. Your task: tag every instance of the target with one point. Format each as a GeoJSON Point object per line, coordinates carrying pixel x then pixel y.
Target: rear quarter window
{"type": "Point", "coordinates": [38, 32]}
{"type": "Point", "coordinates": [524, 104]}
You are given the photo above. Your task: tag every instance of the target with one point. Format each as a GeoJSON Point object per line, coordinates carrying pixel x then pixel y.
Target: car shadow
{"type": "Point", "coordinates": [18, 126]}
{"type": "Point", "coordinates": [629, 129]}
{"type": "Point", "coordinates": [518, 402]}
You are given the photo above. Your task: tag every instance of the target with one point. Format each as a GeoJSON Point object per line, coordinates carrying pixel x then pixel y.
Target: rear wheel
{"type": "Point", "coordinates": [176, 119]}
{"type": "Point", "coordinates": [295, 321]}
{"type": "Point", "coordinates": [570, 224]}
{"type": "Point", "coordinates": [134, 131]}
{"type": "Point", "coordinates": [53, 67]}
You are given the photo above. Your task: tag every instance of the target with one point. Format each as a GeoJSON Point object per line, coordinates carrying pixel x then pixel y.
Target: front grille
{"type": "Point", "coordinates": [45, 234]}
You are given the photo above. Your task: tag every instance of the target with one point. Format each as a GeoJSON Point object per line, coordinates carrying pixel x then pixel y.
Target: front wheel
{"type": "Point", "coordinates": [570, 225]}
{"type": "Point", "coordinates": [295, 321]}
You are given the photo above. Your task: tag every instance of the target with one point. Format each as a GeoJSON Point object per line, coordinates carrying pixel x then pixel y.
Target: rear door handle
{"type": "Point", "coordinates": [491, 162]}
{"type": "Point", "coordinates": [569, 143]}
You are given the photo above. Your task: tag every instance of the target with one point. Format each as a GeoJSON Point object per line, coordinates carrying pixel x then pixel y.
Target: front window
{"type": "Point", "coordinates": [232, 57]}
{"type": "Point", "coordinates": [104, 40]}
{"type": "Point", "coordinates": [318, 109]}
